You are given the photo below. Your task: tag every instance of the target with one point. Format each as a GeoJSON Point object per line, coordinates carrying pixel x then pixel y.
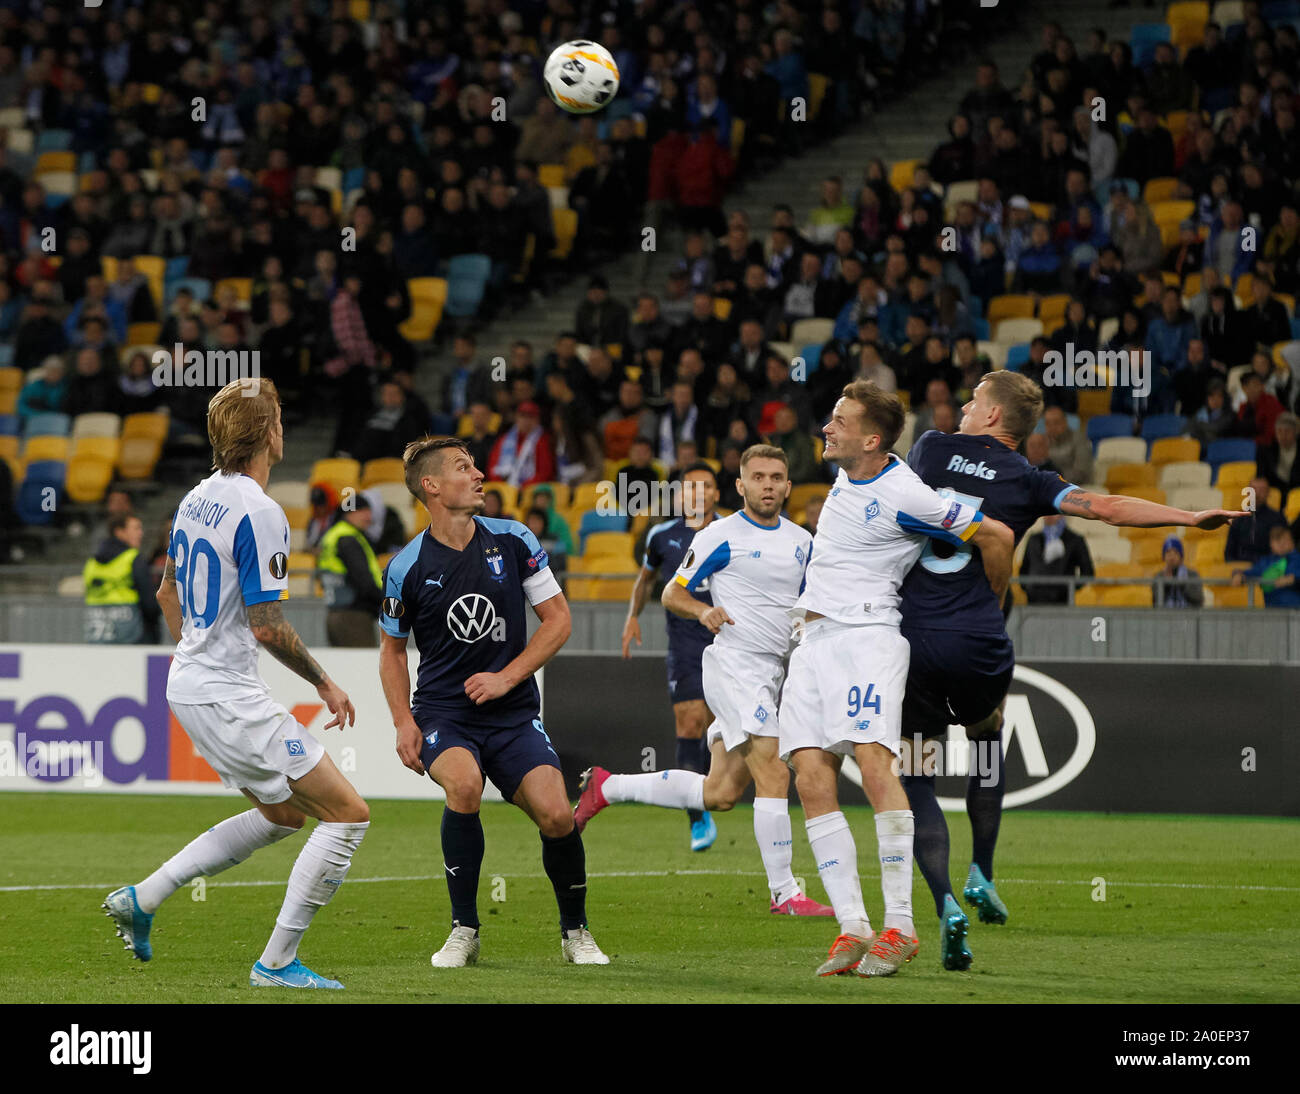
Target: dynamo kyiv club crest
{"type": "Point", "coordinates": [873, 510]}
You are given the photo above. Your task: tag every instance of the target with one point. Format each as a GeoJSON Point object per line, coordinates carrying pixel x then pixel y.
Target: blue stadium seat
{"type": "Point", "coordinates": [33, 501]}
{"type": "Point", "coordinates": [201, 287]}
{"type": "Point", "coordinates": [6, 354]}
{"type": "Point", "coordinates": [1163, 425]}
{"type": "Point", "coordinates": [976, 306]}
{"type": "Point", "coordinates": [1229, 450]}
{"type": "Point", "coordinates": [1017, 356]}
{"type": "Point", "coordinates": [983, 333]}
{"type": "Point", "coordinates": [86, 163]}
{"type": "Point", "coordinates": [1233, 34]}
{"type": "Point", "coordinates": [177, 268]}
{"type": "Point", "coordinates": [1144, 39]}
{"type": "Point", "coordinates": [8, 425]}
{"type": "Point", "coordinates": [1280, 11]}
{"type": "Point", "coordinates": [54, 140]}
{"type": "Point", "coordinates": [443, 425]}
{"type": "Point", "coordinates": [48, 425]}
{"type": "Point", "coordinates": [812, 355]}
{"type": "Point", "coordinates": [1109, 425]}
{"type": "Point", "coordinates": [57, 201]}
{"type": "Point", "coordinates": [592, 521]}
{"type": "Point", "coordinates": [1295, 327]}
{"type": "Point", "coordinates": [467, 277]}
{"type": "Point", "coordinates": [354, 179]}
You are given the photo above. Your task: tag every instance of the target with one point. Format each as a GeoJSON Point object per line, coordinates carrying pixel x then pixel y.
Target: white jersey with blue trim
{"type": "Point", "coordinates": [756, 572]}
{"type": "Point", "coordinates": [230, 544]}
{"type": "Point", "coordinates": [870, 533]}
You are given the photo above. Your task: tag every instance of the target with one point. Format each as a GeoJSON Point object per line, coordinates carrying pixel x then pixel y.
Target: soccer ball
{"type": "Point", "coordinates": [581, 77]}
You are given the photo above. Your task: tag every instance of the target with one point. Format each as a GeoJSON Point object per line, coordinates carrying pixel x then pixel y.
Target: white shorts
{"type": "Point", "coordinates": [253, 743]}
{"type": "Point", "coordinates": [845, 688]}
{"type": "Point", "coordinates": [741, 689]}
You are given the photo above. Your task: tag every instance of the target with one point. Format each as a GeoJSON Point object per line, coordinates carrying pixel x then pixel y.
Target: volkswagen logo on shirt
{"type": "Point", "coordinates": [471, 618]}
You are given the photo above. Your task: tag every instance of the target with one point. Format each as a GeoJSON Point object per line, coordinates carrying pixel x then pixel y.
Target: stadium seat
{"type": "Point", "coordinates": [608, 545]}
{"type": "Point", "coordinates": [48, 424]}
{"type": "Point", "coordinates": [54, 140]}
{"type": "Point", "coordinates": [42, 487]}
{"type": "Point", "coordinates": [45, 447]}
{"type": "Point", "coordinates": [1126, 596]}
{"type": "Point", "coordinates": [1121, 476]}
{"type": "Point", "coordinates": [551, 174]}
{"type": "Point", "coordinates": [721, 308]}
{"type": "Point", "coordinates": [1117, 450]}
{"type": "Point", "coordinates": [994, 351]}
{"type": "Point", "coordinates": [1143, 39]}
{"type": "Point", "coordinates": [507, 492]}
{"type": "Point", "coordinates": [143, 334]}
{"type": "Point", "coordinates": [1159, 189]}
{"type": "Point", "coordinates": [565, 224]}
{"type": "Point", "coordinates": [585, 495]}
{"type": "Point", "coordinates": [812, 330]}
{"type": "Point", "coordinates": [1292, 511]}
{"type": "Point", "coordinates": [1163, 425]}
{"type": "Point", "coordinates": [1234, 473]}
{"type": "Point", "coordinates": [88, 478]}
{"type": "Point", "coordinates": [176, 268]}
{"type": "Point", "coordinates": [147, 424]}
{"type": "Point", "coordinates": [298, 516]}
{"type": "Point", "coordinates": [594, 523]}
{"type": "Point", "coordinates": [154, 267]}
{"type": "Point", "coordinates": [559, 491]}
{"type": "Point", "coordinates": [139, 457]}
{"type": "Point", "coordinates": [428, 299]}
{"type": "Point", "coordinates": [1175, 450]}
{"type": "Point", "coordinates": [1017, 356]}
{"type": "Point", "coordinates": [1051, 308]}
{"type": "Point", "coordinates": [96, 425]}
{"type": "Point", "coordinates": [105, 449]}
{"type": "Point", "coordinates": [817, 87]}
{"type": "Point", "coordinates": [1106, 550]}
{"type": "Point", "coordinates": [902, 172]}
{"type": "Point", "coordinates": [339, 473]}
{"type": "Point", "coordinates": [1111, 425]}
{"type": "Point", "coordinates": [52, 162]}
{"type": "Point", "coordinates": [803, 493]}
{"type": "Point", "coordinates": [1119, 569]}
{"type": "Point", "coordinates": [1208, 552]}
{"type": "Point", "coordinates": [302, 574]}
{"type": "Point", "coordinates": [388, 469]}
{"type": "Point", "coordinates": [243, 287]}
{"type": "Point", "coordinates": [201, 287]}
{"type": "Point", "coordinates": [290, 493]}
{"type": "Point", "coordinates": [9, 425]}
{"type": "Point", "coordinates": [9, 447]}
{"type": "Point", "coordinates": [1011, 331]}
{"type": "Point", "coordinates": [1183, 475]}
{"type": "Point", "coordinates": [1011, 306]}
{"type": "Point", "coordinates": [812, 357]}
{"type": "Point", "coordinates": [981, 327]}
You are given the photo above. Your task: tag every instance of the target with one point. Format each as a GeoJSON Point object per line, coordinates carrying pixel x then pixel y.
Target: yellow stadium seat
{"type": "Point", "coordinates": [609, 545]}
{"type": "Point", "coordinates": [803, 493]}
{"type": "Point", "coordinates": [1120, 476]}
{"type": "Point", "coordinates": [383, 470]}
{"type": "Point", "coordinates": [45, 448]}
{"type": "Point", "coordinates": [8, 446]}
{"type": "Point", "coordinates": [817, 87]}
{"type": "Point", "coordinates": [1242, 289]}
{"type": "Point", "coordinates": [585, 496]}
{"type": "Point", "coordinates": [48, 162]}
{"type": "Point", "coordinates": [602, 588]}
{"type": "Point", "coordinates": [1147, 553]}
{"type": "Point", "coordinates": [154, 267]}
{"type": "Point", "coordinates": [559, 491]}
{"type": "Point", "coordinates": [1221, 569]}
{"type": "Point", "coordinates": [1126, 596]}
{"type": "Point", "coordinates": [11, 379]}
{"type": "Point", "coordinates": [721, 308]}
{"type": "Point", "coordinates": [1172, 212]}
{"type": "Point", "coordinates": [902, 172]}
{"type": "Point", "coordinates": [1235, 473]}
{"type": "Point", "coordinates": [1159, 189]}
{"type": "Point", "coordinates": [339, 473]}
{"type": "Point", "coordinates": [508, 494]}
{"type": "Point", "coordinates": [1208, 552]}
{"type": "Point", "coordinates": [565, 223]}
{"type": "Point", "coordinates": [1053, 307]}
{"type": "Point", "coordinates": [1011, 306]}
{"type": "Point", "coordinates": [1093, 403]}
{"type": "Point", "coordinates": [243, 287]}
{"type": "Point", "coordinates": [1147, 493]}
{"type": "Point", "coordinates": [143, 334]}
{"type": "Point", "coordinates": [1087, 597]}
{"type": "Point", "coordinates": [87, 479]}
{"type": "Point", "coordinates": [139, 457]}
{"type": "Point", "coordinates": [106, 449]}
{"type": "Point", "coordinates": [149, 425]}
{"type": "Point", "coordinates": [1175, 450]}
{"type": "Point", "coordinates": [1293, 506]}
{"type": "Point", "coordinates": [551, 174]}
{"type": "Point", "coordinates": [302, 574]}
{"type": "Point", "coordinates": [737, 135]}
{"type": "Point", "coordinates": [1119, 569]}
{"type": "Point", "coordinates": [428, 298]}
{"type": "Point", "coordinates": [1194, 537]}
{"type": "Point", "coordinates": [298, 516]}
{"type": "Point", "coordinates": [1233, 596]}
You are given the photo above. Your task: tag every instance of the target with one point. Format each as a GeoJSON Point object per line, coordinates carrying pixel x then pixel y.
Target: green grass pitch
{"type": "Point", "coordinates": [1195, 909]}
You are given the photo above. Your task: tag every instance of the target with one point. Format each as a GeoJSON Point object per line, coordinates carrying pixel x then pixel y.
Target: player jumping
{"type": "Point", "coordinates": [665, 547]}
{"type": "Point", "coordinates": [962, 659]}
{"type": "Point", "coordinates": [755, 560]}
{"type": "Point", "coordinates": [460, 586]}
{"type": "Point", "coordinates": [844, 694]}
{"type": "Point", "coordinates": [226, 574]}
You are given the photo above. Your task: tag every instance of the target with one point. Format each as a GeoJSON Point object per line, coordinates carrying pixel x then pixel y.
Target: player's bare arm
{"type": "Point", "coordinates": [546, 641]}
{"type": "Point", "coordinates": [678, 601]}
{"type": "Point", "coordinates": [169, 601]}
{"type": "Point", "coordinates": [395, 675]}
{"type": "Point", "coordinates": [997, 544]}
{"type": "Point", "coordinates": [1123, 511]}
{"type": "Point", "coordinates": [640, 594]}
{"type": "Point", "coordinates": [281, 641]}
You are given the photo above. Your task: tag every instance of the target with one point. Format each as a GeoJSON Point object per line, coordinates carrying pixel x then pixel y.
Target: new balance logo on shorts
{"type": "Point", "coordinates": [295, 747]}
{"type": "Point", "coordinates": [865, 723]}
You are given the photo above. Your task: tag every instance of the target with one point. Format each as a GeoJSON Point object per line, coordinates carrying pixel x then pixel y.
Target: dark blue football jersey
{"type": "Point", "coordinates": [665, 547]}
{"type": "Point", "coordinates": [467, 612]}
{"type": "Point", "coordinates": [946, 589]}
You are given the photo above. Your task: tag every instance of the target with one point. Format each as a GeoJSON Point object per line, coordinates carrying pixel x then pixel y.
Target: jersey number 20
{"type": "Point", "coordinates": [186, 556]}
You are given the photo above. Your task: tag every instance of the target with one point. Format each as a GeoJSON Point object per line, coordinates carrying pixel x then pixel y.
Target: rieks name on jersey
{"type": "Point", "coordinates": [963, 466]}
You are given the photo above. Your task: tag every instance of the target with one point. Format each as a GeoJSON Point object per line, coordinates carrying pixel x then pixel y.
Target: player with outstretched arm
{"type": "Point", "coordinates": [844, 692]}
{"type": "Point", "coordinates": [460, 587]}
{"type": "Point", "coordinates": [226, 573]}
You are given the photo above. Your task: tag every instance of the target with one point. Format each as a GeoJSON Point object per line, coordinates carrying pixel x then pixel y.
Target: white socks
{"type": "Point", "coordinates": [222, 846]}
{"type": "Point", "coordinates": [895, 830]}
{"type": "Point", "coordinates": [837, 862]}
{"type": "Point", "coordinates": [775, 846]}
{"type": "Point", "coordinates": [317, 874]}
{"type": "Point", "coordinates": [674, 789]}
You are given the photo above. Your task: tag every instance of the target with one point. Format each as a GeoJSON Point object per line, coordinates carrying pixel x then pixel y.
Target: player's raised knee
{"type": "Point", "coordinates": [555, 823]}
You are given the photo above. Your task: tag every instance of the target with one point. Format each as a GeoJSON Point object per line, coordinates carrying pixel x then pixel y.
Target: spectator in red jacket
{"type": "Point", "coordinates": [1258, 415]}
{"type": "Point", "coordinates": [703, 172]}
{"type": "Point", "coordinates": [523, 454]}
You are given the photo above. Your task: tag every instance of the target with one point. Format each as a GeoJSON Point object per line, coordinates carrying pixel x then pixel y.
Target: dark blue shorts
{"type": "Point", "coordinates": [954, 679]}
{"type": "Point", "coordinates": [685, 673]}
{"type": "Point", "coordinates": [505, 754]}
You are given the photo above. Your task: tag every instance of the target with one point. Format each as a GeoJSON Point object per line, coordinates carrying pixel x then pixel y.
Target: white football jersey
{"type": "Point", "coordinates": [230, 544]}
{"type": "Point", "coordinates": [869, 534]}
{"type": "Point", "coordinates": [755, 572]}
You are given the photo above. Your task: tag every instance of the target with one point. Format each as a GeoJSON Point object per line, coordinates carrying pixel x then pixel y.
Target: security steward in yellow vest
{"type": "Point", "coordinates": [350, 577]}
{"type": "Point", "coordinates": [121, 606]}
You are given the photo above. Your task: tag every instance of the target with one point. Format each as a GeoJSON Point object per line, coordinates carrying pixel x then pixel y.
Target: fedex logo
{"type": "Point", "coordinates": [968, 467]}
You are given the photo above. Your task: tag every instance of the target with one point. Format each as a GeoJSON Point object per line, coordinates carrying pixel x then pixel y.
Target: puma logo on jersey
{"type": "Point", "coordinates": [969, 467]}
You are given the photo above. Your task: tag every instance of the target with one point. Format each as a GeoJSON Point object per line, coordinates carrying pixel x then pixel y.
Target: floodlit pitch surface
{"type": "Point", "coordinates": [1196, 909]}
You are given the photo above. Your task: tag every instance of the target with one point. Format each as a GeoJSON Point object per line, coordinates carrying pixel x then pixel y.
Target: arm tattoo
{"type": "Point", "coordinates": [282, 642]}
{"type": "Point", "coordinates": [1078, 498]}
{"type": "Point", "coordinates": [169, 572]}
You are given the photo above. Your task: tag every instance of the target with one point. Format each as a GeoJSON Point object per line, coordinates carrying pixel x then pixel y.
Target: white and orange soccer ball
{"type": "Point", "coordinates": [581, 77]}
